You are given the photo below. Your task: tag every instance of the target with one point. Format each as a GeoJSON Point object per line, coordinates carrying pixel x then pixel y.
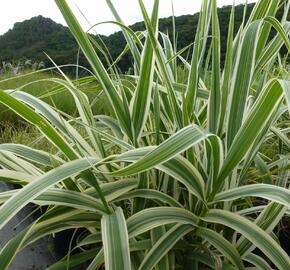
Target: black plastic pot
{"type": "Point", "coordinates": [284, 238]}
{"type": "Point", "coordinates": [37, 255]}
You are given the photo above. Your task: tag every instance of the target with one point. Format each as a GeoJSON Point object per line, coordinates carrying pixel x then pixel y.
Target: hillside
{"type": "Point", "coordinates": [31, 38]}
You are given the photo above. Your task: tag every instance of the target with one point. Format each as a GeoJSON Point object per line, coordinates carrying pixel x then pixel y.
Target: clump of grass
{"type": "Point", "coordinates": [23, 133]}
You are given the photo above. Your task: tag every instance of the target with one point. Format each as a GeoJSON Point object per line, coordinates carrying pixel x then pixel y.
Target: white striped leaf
{"type": "Point", "coordinates": [270, 192]}
{"type": "Point", "coordinates": [253, 233]}
{"type": "Point", "coordinates": [115, 241]}
{"type": "Point", "coordinates": [39, 185]}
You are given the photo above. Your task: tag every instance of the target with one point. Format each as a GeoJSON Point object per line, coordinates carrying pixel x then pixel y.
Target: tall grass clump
{"type": "Point", "coordinates": [189, 171]}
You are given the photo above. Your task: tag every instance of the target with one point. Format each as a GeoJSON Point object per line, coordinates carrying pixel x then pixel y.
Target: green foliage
{"type": "Point", "coordinates": [191, 168]}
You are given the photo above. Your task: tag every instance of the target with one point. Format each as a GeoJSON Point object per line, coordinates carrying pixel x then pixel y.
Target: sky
{"type": "Point", "coordinates": [95, 11]}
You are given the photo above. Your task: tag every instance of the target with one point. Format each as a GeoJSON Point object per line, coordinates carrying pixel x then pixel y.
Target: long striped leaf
{"type": "Point", "coordinates": [130, 42]}
{"type": "Point", "coordinates": [176, 144]}
{"type": "Point", "coordinates": [142, 95]}
{"type": "Point", "coordinates": [116, 241]}
{"type": "Point", "coordinates": [255, 234]}
{"type": "Point", "coordinates": [31, 116]}
{"type": "Point", "coordinates": [96, 65]}
{"type": "Point", "coordinates": [242, 79]}
{"type": "Point", "coordinates": [179, 168]}
{"type": "Point", "coordinates": [215, 94]}
{"type": "Point", "coordinates": [224, 246]}
{"type": "Point", "coordinates": [54, 118]}
{"type": "Point", "coordinates": [39, 185]}
{"type": "Point", "coordinates": [148, 194]}
{"type": "Point", "coordinates": [264, 107]}
{"type": "Point", "coordinates": [267, 220]}
{"type": "Point", "coordinates": [163, 245]}
{"type": "Point", "coordinates": [269, 192]}
{"type": "Point", "coordinates": [258, 262]}
{"type": "Point", "coordinates": [28, 153]}
{"type": "Point", "coordinates": [163, 67]}
{"type": "Point", "coordinates": [153, 217]}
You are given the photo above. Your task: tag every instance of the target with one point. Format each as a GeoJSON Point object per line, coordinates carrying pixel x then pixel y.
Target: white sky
{"type": "Point", "coordinates": [95, 11]}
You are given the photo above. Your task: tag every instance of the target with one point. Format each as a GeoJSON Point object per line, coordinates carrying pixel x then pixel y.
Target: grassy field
{"type": "Point", "coordinates": [181, 164]}
{"type": "Point", "coordinates": [41, 85]}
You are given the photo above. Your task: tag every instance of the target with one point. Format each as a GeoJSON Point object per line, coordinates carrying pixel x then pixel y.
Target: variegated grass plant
{"type": "Point", "coordinates": [185, 174]}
